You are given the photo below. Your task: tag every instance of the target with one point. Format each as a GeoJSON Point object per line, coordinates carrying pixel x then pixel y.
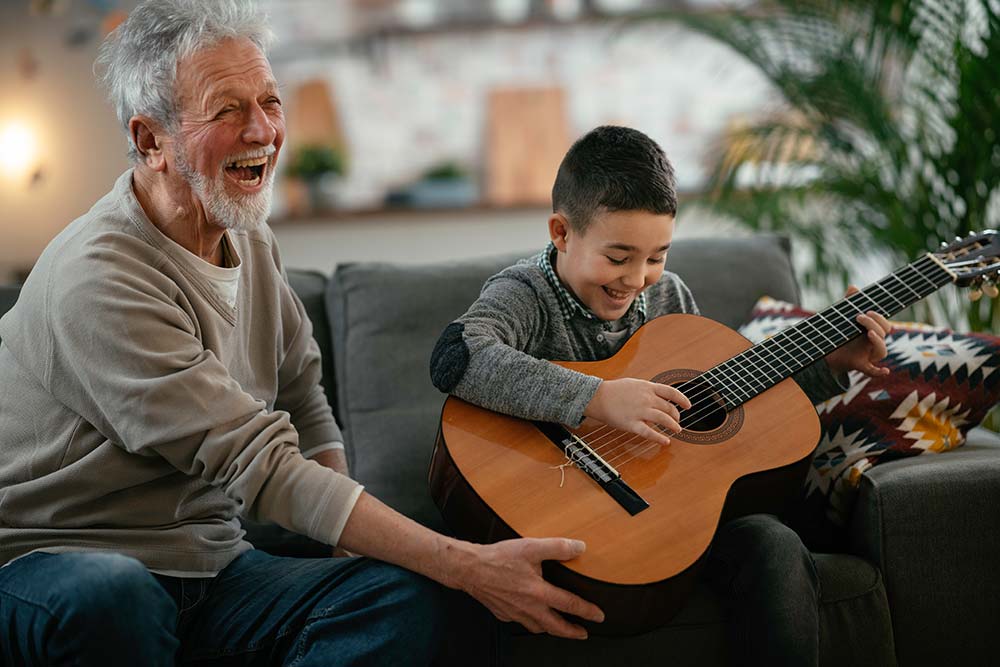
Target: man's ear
{"type": "Point", "coordinates": [147, 136]}
{"type": "Point", "coordinates": [559, 229]}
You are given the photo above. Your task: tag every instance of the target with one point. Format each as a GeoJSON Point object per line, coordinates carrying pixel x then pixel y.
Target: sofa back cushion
{"type": "Point", "coordinates": [387, 317]}
{"type": "Point", "coordinates": [385, 320]}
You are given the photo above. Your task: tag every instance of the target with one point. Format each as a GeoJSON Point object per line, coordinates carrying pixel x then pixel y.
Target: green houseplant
{"type": "Point", "coordinates": [886, 142]}
{"type": "Point", "coordinates": [313, 165]}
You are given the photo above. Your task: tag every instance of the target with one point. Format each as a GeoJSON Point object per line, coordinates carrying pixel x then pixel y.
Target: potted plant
{"type": "Point", "coordinates": [319, 167]}
{"type": "Point", "coordinates": [885, 138]}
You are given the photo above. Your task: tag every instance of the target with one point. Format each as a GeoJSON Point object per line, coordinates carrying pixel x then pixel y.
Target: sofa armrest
{"type": "Point", "coordinates": [932, 525]}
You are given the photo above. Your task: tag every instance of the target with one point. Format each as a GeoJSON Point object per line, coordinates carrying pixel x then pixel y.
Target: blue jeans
{"type": "Point", "coordinates": [768, 579]}
{"type": "Point", "coordinates": [91, 608]}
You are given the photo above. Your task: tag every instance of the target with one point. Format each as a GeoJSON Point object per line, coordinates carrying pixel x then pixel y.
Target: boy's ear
{"type": "Point", "coordinates": [559, 229]}
{"type": "Point", "coordinates": [147, 136]}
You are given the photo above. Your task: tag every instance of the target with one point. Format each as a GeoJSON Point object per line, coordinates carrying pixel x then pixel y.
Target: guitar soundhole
{"type": "Point", "coordinates": [708, 422]}
{"type": "Point", "coordinates": [706, 413]}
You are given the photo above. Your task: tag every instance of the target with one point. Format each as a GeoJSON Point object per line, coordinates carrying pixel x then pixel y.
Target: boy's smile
{"type": "Point", "coordinates": [620, 254]}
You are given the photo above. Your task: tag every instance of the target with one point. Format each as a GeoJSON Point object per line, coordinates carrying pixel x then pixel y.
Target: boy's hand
{"type": "Point", "coordinates": [861, 354]}
{"type": "Point", "coordinates": [635, 405]}
{"type": "Point", "coordinates": [506, 578]}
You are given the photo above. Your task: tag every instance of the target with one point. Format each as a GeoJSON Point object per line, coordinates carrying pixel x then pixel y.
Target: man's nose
{"type": "Point", "coordinates": [259, 128]}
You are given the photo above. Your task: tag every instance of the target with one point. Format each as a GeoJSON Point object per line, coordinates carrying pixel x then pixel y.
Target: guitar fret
{"type": "Point", "coordinates": [762, 366]}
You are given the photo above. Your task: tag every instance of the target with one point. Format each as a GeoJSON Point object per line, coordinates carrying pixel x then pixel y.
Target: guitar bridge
{"type": "Point", "coordinates": [579, 453]}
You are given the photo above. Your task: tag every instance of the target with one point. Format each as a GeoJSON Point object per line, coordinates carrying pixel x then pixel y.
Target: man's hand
{"type": "Point", "coordinates": [635, 405]}
{"type": "Point", "coordinates": [861, 354]}
{"type": "Point", "coordinates": [506, 578]}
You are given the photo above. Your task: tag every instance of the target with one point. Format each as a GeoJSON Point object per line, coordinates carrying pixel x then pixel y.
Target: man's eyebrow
{"type": "Point", "coordinates": [631, 248]}
{"type": "Point", "coordinates": [271, 87]}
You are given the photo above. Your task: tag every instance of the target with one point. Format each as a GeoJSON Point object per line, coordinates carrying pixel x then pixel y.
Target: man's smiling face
{"type": "Point", "coordinates": [230, 132]}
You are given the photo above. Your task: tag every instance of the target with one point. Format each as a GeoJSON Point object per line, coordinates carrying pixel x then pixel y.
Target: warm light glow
{"type": "Point", "coordinates": [17, 149]}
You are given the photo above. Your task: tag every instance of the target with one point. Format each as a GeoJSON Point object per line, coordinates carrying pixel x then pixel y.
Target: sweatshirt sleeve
{"type": "Point", "coordinates": [819, 383]}
{"type": "Point", "coordinates": [299, 390]}
{"type": "Point", "coordinates": [126, 356]}
{"type": "Point", "coordinates": [488, 357]}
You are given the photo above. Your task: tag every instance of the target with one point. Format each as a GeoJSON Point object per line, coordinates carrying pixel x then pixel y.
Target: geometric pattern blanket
{"type": "Point", "coordinates": [942, 384]}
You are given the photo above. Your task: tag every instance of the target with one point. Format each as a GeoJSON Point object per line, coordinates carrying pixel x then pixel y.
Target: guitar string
{"type": "Point", "coordinates": [711, 404]}
{"type": "Point", "coordinates": [617, 459]}
{"type": "Point", "coordinates": [614, 446]}
{"type": "Point", "coordinates": [912, 267]}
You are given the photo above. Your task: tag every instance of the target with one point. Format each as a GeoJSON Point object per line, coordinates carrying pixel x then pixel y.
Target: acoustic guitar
{"type": "Point", "coordinates": [648, 512]}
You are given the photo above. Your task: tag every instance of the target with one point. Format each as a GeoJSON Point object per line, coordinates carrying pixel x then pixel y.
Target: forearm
{"type": "Point", "coordinates": [819, 382]}
{"type": "Point", "coordinates": [514, 383]}
{"type": "Point", "coordinates": [376, 530]}
{"type": "Point", "coordinates": [506, 577]}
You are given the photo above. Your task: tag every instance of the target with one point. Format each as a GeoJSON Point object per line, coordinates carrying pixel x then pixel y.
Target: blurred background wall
{"type": "Point", "coordinates": [447, 118]}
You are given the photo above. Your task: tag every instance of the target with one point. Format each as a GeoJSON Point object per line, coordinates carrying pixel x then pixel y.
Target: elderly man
{"type": "Point", "coordinates": [158, 379]}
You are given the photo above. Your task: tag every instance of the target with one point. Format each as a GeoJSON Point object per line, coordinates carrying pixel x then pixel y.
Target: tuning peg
{"type": "Point", "coordinates": [975, 294]}
{"type": "Point", "coordinates": [990, 290]}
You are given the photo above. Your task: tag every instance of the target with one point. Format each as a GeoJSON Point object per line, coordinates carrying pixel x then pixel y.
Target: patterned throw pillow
{"type": "Point", "coordinates": [942, 384]}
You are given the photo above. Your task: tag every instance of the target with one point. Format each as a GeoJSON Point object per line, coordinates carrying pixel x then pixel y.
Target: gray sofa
{"type": "Point", "coordinates": [915, 585]}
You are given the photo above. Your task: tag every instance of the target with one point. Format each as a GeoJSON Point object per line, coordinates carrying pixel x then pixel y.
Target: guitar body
{"type": "Point", "coordinates": [496, 477]}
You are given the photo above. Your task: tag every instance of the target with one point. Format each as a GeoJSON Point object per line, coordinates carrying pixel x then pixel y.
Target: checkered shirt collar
{"type": "Point", "coordinates": [569, 304]}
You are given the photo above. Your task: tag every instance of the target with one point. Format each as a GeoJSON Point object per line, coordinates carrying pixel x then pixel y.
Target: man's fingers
{"type": "Point", "coordinates": [552, 548]}
{"type": "Point", "coordinates": [556, 625]}
{"type": "Point", "coordinates": [563, 600]}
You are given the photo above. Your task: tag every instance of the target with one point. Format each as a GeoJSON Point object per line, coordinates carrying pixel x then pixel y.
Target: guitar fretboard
{"type": "Point", "coordinates": [748, 374]}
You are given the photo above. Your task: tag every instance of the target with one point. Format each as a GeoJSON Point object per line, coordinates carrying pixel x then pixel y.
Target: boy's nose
{"type": "Point", "coordinates": [634, 279]}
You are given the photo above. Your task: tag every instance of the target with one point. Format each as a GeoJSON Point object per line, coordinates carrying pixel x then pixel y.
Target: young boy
{"type": "Point", "coordinates": [602, 277]}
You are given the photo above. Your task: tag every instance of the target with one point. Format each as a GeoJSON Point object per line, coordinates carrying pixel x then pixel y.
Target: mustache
{"type": "Point", "coordinates": [266, 151]}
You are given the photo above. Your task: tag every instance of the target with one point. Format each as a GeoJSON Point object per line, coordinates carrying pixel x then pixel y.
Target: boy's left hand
{"type": "Point", "coordinates": [862, 353]}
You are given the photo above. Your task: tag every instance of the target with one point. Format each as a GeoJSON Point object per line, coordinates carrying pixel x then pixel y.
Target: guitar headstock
{"type": "Point", "coordinates": [975, 261]}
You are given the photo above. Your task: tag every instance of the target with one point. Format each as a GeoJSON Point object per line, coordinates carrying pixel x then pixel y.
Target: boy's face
{"type": "Point", "coordinates": [619, 255]}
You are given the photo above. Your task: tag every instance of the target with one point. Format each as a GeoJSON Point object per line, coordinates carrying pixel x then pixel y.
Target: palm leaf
{"type": "Point", "coordinates": [886, 138]}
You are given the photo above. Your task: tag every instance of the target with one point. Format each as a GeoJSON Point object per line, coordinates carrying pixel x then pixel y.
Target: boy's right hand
{"type": "Point", "coordinates": [633, 405]}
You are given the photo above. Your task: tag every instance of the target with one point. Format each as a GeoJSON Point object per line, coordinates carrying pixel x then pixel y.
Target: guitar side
{"type": "Point", "coordinates": [495, 477]}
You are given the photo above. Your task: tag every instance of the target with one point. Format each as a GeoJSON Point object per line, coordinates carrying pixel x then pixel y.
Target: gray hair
{"type": "Point", "coordinates": [139, 59]}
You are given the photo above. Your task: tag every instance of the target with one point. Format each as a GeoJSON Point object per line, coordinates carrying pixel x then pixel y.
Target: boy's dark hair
{"type": "Point", "coordinates": [616, 168]}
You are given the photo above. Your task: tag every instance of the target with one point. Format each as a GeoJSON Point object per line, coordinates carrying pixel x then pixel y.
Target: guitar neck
{"type": "Point", "coordinates": [764, 365]}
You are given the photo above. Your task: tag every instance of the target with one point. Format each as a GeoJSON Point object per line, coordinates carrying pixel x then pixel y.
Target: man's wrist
{"type": "Point", "coordinates": [454, 558]}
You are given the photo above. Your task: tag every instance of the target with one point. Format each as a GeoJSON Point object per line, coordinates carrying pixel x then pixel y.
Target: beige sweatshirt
{"type": "Point", "coordinates": [140, 413]}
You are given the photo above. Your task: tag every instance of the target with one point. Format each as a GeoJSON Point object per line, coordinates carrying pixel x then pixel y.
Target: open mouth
{"type": "Point", "coordinates": [248, 173]}
{"type": "Point", "coordinates": [617, 295]}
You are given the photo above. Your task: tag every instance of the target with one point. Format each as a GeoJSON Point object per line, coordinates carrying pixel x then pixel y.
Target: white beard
{"type": "Point", "coordinates": [240, 212]}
